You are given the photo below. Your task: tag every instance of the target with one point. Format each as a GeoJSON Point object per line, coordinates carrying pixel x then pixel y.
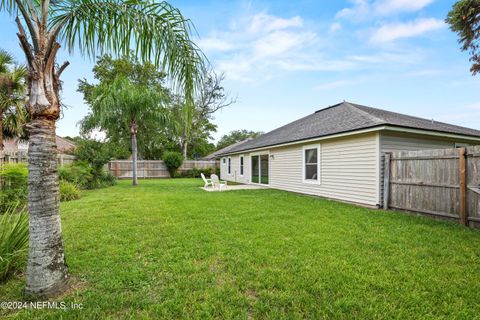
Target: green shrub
{"type": "Point", "coordinates": [13, 185]}
{"type": "Point", "coordinates": [68, 191]}
{"type": "Point", "coordinates": [103, 180]}
{"type": "Point", "coordinates": [173, 161]}
{"type": "Point", "coordinates": [97, 155]}
{"type": "Point", "coordinates": [84, 176]}
{"type": "Point", "coordinates": [196, 172]}
{"type": "Point", "coordinates": [78, 173]}
{"type": "Point", "coordinates": [13, 240]}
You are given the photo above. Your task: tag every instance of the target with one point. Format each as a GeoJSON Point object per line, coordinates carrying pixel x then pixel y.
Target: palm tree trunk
{"type": "Point", "coordinates": [184, 146]}
{"type": "Point", "coordinates": [1, 131]}
{"type": "Point", "coordinates": [47, 273]}
{"type": "Point", "coordinates": [46, 269]}
{"type": "Point", "coordinates": [133, 131]}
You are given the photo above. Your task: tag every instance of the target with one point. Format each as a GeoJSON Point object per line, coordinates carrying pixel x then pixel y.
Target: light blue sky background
{"type": "Point", "coordinates": [286, 59]}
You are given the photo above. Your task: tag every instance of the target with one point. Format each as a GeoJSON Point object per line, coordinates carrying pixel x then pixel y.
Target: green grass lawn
{"type": "Point", "coordinates": [168, 249]}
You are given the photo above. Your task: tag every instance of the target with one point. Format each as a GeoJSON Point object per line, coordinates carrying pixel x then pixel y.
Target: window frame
{"type": "Point", "coordinates": [304, 149]}
{"type": "Point", "coordinates": [229, 166]}
{"type": "Point", "coordinates": [460, 145]}
{"type": "Point", "coordinates": [241, 165]}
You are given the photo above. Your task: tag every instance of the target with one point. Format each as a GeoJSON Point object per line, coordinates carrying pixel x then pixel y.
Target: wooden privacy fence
{"type": "Point", "coordinates": [22, 156]}
{"type": "Point", "coordinates": [443, 183]}
{"type": "Point", "coordinates": [122, 169]}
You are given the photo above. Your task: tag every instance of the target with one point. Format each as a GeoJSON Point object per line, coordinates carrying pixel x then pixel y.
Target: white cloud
{"type": "Point", "coordinates": [333, 85]}
{"type": "Point", "coordinates": [360, 8]}
{"type": "Point", "coordinates": [335, 27]}
{"type": "Point", "coordinates": [265, 23]}
{"type": "Point", "coordinates": [279, 42]}
{"type": "Point", "coordinates": [257, 42]}
{"type": "Point", "coordinates": [392, 6]}
{"type": "Point", "coordinates": [364, 9]}
{"type": "Point", "coordinates": [259, 47]}
{"type": "Point", "coordinates": [392, 32]}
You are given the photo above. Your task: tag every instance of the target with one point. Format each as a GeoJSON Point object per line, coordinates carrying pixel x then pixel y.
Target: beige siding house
{"type": "Point", "coordinates": [336, 152]}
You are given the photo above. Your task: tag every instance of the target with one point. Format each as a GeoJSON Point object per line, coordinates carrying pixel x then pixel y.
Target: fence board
{"type": "Point", "coordinates": [122, 169]}
{"type": "Point", "coordinates": [441, 183]}
{"type": "Point", "coordinates": [19, 156]}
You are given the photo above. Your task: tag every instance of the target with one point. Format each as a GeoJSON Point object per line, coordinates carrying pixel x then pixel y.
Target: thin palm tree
{"type": "Point", "coordinates": [126, 106]}
{"type": "Point", "coordinates": [159, 34]}
{"type": "Point", "coordinates": [12, 97]}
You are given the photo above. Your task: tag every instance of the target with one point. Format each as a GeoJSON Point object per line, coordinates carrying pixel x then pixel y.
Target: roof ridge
{"type": "Point", "coordinates": [432, 120]}
{"type": "Point", "coordinates": [371, 116]}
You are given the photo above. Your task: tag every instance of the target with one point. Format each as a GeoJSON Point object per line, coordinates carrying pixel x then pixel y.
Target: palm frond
{"type": "Point", "coordinates": [159, 31]}
{"type": "Point", "coordinates": [6, 59]}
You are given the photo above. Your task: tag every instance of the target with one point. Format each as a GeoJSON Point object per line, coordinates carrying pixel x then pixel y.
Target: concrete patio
{"type": "Point", "coordinates": [236, 187]}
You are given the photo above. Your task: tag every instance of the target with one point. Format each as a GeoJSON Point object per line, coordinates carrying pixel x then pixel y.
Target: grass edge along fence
{"type": "Point", "coordinates": [443, 183]}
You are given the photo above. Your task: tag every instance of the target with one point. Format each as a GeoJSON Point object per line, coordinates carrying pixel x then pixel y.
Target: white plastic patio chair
{"type": "Point", "coordinates": [219, 184]}
{"type": "Point", "coordinates": [208, 182]}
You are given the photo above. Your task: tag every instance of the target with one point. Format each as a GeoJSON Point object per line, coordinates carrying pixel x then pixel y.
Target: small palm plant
{"type": "Point", "coordinates": [12, 97]}
{"type": "Point", "coordinates": [13, 240]}
{"type": "Point", "coordinates": [129, 106]}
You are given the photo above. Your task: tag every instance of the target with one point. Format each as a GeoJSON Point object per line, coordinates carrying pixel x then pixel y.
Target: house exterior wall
{"type": "Point", "coordinates": [349, 168]}
{"type": "Point", "coordinates": [235, 169]}
{"type": "Point", "coordinates": [397, 141]}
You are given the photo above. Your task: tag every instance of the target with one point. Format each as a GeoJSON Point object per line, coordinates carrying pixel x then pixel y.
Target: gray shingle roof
{"type": "Point", "coordinates": [345, 117]}
{"type": "Point", "coordinates": [227, 149]}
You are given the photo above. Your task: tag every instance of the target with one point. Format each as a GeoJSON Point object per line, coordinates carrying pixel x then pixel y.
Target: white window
{"type": "Point", "coordinates": [311, 164]}
{"type": "Point", "coordinates": [229, 165]}
{"type": "Point", "coordinates": [223, 160]}
{"type": "Point", "coordinates": [241, 165]}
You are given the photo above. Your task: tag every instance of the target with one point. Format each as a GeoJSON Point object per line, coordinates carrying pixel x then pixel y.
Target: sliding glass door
{"type": "Point", "coordinates": [260, 169]}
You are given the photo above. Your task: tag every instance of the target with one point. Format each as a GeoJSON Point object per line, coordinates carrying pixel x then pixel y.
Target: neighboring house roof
{"type": "Point", "coordinates": [63, 145]}
{"type": "Point", "coordinates": [345, 117]}
{"type": "Point", "coordinates": [227, 149]}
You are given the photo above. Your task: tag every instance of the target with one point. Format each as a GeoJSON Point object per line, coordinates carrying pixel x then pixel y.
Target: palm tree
{"type": "Point", "coordinates": [160, 34]}
{"type": "Point", "coordinates": [12, 98]}
{"type": "Point", "coordinates": [125, 106]}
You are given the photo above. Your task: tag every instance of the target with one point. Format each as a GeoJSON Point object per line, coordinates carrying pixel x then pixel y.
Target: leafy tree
{"type": "Point", "coordinates": [464, 19]}
{"type": "Point", "coordinates": [194, 125]}
{"type": "Point", "coordinates": [97, 154]}
{"type": "Point", "coordinates": [152, 142]}
{"type": "Point", "coordinates": [127, 106]}
{"type": "Point", "coordinates": [12, 97]}
{"type": "Point", "coordinates": [236, 136]}
{"type": "Point", "coordinates": [158, 32]}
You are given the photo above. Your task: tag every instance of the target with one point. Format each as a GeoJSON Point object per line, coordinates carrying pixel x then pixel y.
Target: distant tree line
{"type": "Point", "coordinates": [130, 102]}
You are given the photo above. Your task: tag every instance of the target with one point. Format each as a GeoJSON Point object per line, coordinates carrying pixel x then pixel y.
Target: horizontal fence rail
{"type": "Point", "coordinates": [444, 183]}
{"type": "Point", "coordinates": [122, 169]}
{"type": "Point", "coordinates": [22, 156]}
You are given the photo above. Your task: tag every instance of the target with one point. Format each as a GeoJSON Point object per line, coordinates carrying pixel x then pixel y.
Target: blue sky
{"type": "Point", "coordinates": [286, 59]}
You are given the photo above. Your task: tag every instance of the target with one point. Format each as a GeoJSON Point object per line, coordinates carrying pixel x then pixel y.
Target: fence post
{"type": "Point", "coordinates": [462, 208]}
{"type": "Point", "coordinates": [386, 180]}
